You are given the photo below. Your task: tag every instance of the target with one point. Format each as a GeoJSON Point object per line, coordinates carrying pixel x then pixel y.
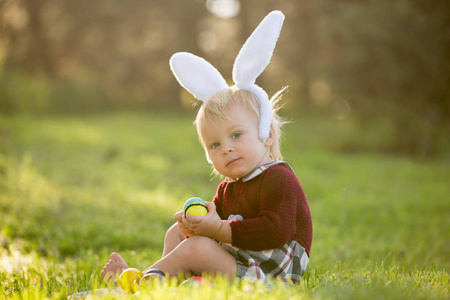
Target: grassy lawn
{"type": "Point", "coordinates": [75, 188]}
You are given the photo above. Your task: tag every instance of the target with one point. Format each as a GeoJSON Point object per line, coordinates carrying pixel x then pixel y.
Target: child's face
{"type": "Point", "coordinates": [234, 146]}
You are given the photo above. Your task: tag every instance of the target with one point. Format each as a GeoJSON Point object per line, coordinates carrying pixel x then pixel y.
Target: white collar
{"type": "Point", "coordinates": [262, 168]}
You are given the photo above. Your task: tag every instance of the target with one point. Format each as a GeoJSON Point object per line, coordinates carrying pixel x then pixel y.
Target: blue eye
{"type": "Point", "coordinates": [214, 145]}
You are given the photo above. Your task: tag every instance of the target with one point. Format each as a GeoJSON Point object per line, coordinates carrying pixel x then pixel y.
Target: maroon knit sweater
{"type": "Point", "coordinates": [274, 208]}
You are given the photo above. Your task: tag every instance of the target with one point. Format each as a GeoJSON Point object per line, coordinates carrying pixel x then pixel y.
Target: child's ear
{"type": "Point", "coordinates": [271, 139]}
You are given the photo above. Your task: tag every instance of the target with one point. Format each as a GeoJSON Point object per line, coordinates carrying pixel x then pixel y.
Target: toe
{"type": "Point", "coordinates": [116, 257]}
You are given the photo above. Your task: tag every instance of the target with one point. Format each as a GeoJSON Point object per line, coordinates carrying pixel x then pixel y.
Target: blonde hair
{"type": "Point", "coordinates": [217, 108]}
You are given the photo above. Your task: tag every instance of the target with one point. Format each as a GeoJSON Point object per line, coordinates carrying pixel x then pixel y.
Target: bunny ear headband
{"type": "Point", "coordinates": [203, 81]}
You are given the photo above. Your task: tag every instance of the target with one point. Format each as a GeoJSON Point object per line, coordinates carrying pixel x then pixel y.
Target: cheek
{"type": "Point", "coordinates": [213, 156]}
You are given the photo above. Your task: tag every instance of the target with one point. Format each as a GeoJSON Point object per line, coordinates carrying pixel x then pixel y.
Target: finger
{"type": "Point", "coordinates": [187, 223]}
{"type": "Point", "coordinates": [187, 232]}
{"type": "Point", "coordinates": [184, 220]}
{"type": "Point", "coordinates": [178, 216]}
{"type": "Point", "coordinates": [181, 225]}
{"type": "Point", "coordinates": [193, 219]}
{"type": "Point", "coordinates": [211, 207]}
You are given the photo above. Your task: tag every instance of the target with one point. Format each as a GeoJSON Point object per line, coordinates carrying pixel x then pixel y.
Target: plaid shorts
{"type": "Point", "coordinates": [287, 263]}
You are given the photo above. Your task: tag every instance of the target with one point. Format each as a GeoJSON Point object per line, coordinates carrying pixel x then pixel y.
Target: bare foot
{"type": "Point", "coordinates": [115, 266]}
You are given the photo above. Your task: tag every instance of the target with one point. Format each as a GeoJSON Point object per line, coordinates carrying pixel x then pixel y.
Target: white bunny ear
{"type": "Point", "coordinates": [197, 75]}
{"type": "Point", "coordinates": [257, 51]}
{"type": "Point", "coordinates": [251, 61]}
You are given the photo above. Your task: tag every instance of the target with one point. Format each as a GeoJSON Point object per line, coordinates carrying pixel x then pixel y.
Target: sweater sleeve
{"type": "Point", "coordinates": [276, 222]}
{"type": "Point", "coordinates": [218, 199]}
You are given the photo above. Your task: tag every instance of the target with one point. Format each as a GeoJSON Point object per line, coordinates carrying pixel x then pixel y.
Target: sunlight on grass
{"type": "Point", "coordinates": [75, 188]}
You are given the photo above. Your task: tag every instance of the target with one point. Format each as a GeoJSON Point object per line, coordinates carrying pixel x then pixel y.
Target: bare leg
{"type": "Point", "coordinates": [114, 267]}
{"type": "Point", "coordinates": [172, 239]}
{"type": "Point", "coordinates": [197, 255]}
{"type": "Point", "coordinates": [117, 264]}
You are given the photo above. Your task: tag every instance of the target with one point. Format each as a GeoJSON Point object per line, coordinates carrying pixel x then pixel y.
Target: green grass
{"type": "Point", "coordinates": [75, 188]}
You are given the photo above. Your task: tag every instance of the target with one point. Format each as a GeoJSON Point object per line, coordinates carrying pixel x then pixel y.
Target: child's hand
{"type": "Point", "coordinates": [208, 225]}
{"type": "Point", "coordinates": [179, 218]}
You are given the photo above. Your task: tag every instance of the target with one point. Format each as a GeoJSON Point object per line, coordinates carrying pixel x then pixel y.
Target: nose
{"type": "Point", "coordinates": [226, 148]}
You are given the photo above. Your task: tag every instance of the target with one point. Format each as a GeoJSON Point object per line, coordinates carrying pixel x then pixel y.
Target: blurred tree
{"type": "Point", "coordinates": [38, 50]}
{"type": "Point", "coordinates": [393, 55]}
{"type": "Point", "coordinates": [363, 54]}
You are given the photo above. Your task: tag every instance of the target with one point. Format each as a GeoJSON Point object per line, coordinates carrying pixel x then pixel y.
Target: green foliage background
{"type": "Point", "coordinates": [371, 59]}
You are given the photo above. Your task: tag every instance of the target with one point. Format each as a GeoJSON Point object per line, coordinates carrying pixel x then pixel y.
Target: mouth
{"type": "Point", "coordinates": [233, 161]}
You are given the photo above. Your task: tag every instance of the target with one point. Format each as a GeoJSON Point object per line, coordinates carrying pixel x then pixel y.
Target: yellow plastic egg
{"type": "Point", "coordinates": [129, 280]}
{"type": "Point", "coordinates": [195, 206]}
{"type": "Point", "coordinates": [197, 210]}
